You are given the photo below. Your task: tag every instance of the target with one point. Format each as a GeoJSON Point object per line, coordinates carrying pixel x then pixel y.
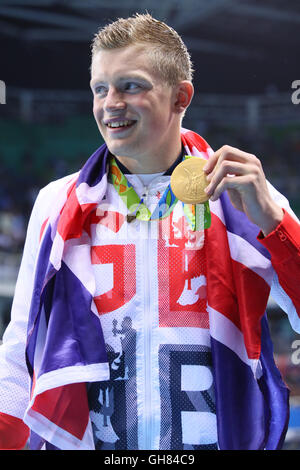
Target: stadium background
{"type": "Point", "coordinates": [246, 58]}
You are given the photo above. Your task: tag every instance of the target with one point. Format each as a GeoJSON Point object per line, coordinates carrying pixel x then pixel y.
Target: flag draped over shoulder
{"type": "Point", "coordinates": [65, 346]}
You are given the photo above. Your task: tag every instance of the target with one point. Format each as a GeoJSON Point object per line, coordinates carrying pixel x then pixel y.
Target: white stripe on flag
{"type": "Point", "coordinates": [284, 302]}
{"type": "Point", "coordinates": [58, 203]}
{"type": "Point", "coordinates": [216, 209]}
{"type": "Point", "coordinates": [77, 256]}
{"type": "Point", "coordinates": [56, 435]}
{"type": "Point", "coordinates": [57, 251]}
{"type": "Point", "coordinates": [224, 331]}
{"type": "Point", "coordinates": [245, 253]}
{"type": "Point", "coordinates": [198, 153]}
{"type": "Point", "coordinates": [91, 194]}
{"type": "Point", "coordinates": [68, 375]}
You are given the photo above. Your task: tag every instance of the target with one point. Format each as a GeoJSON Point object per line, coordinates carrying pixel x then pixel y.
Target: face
{"type": "Point", "coordinates": [133, 107]}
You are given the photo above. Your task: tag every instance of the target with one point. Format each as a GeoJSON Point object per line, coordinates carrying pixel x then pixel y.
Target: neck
{"type": "Point", "coordinates": [157, 162]}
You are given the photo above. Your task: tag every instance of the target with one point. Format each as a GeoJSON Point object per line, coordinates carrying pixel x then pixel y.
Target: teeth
{"type": "Point", "coordinates": [118, 124]}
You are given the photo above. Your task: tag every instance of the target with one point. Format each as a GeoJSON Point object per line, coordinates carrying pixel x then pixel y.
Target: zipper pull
{"type": "Point", "coordinates": [130, 218]}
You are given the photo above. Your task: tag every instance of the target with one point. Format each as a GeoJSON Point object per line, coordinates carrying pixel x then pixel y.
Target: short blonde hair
{"type": "Point", "coordinates": [167, 51]}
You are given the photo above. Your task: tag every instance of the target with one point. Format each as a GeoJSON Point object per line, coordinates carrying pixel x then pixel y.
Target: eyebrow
{"type": "Point", "coordinates": [121, 79]}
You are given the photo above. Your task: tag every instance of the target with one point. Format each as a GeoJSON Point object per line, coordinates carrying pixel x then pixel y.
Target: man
{"type": "Point", "coordinates": [142, 328]}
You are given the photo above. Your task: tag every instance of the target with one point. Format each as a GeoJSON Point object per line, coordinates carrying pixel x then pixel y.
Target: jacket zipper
{"type": "Point", "coordinates": [147, 342]}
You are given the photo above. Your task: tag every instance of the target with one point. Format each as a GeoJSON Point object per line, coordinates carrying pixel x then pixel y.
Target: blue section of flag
{"type": "Point", "coordinates": [74, 332]}
{"type": "Point", "coordinates": [275, 392]}
{"type": "Point", "coordinates": [251, 414]}
{"type": "Point", "coordinates": [95, 167]}
{"type": "Point", "coordinates": [240, 406]}
{"type": "Point", "coordinates": [238, 223]}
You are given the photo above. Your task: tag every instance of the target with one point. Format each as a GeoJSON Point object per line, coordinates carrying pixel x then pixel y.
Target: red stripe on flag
{"type": "Point", "coordinates": [65, 406]}
{"type": "Point", "coordinates": [191, 139]}
{"type": "Point", "coordinates": [13, 432]}
{"type": "Point", "coordinates": [233, 289]}
{"type": "Point", "coordinates": [252, 292]}
{"type": "Point", "coordinates": [221, 290]}
{"type": "Point", "coordinates": [73, 216]}
{"type": "Point", "coordinates": [43, 228]}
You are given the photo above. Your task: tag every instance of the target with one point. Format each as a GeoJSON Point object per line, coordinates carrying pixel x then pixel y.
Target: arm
{"type": "Point", "coordinates": [242, 176]}
{"type": "Point", "coordinates": [14, 377]}
{"type": "Point", "coordinates": [283, 244]}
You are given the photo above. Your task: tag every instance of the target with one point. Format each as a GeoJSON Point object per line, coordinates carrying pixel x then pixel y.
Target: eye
{"type": "Point", "coordinates": [132, 86]}
{"type": "Point", "coordinates": [100, 90]}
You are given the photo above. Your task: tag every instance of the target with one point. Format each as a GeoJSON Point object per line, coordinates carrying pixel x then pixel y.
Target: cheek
{"type": "Point", "coordinates": [158, 119]}
{"type": "Point", "coordinates": [95, 113]}
{"type": "Point", "coordinates": [97, 110]}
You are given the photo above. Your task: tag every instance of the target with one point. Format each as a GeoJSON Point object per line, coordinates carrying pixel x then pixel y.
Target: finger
{"type": "Point", "coordinates": [239, 183]}
{"type": "Point", "coordinates": [213, 159]}
{"type": "Point", "coordinates": [225, 168]}
{"type": "Point", "coordinates": [228, 153]}
{"type": "Point", "coordinates": [233, 153]}
{"type": "Point", "coordinates": [211, 162]}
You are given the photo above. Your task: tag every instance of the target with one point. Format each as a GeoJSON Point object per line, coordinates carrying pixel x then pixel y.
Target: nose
{"type": "Point", "coordinates": [114, 100]}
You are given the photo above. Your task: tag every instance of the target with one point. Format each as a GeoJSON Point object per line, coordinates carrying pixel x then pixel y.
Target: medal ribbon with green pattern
{"type": "Point", "coordinates": [198, 215]}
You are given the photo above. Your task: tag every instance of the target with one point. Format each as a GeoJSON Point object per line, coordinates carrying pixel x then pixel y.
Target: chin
{"type": "Point", "coordinates": [118, 151]}
{"type": "Point", "coordinates": [122, 150]}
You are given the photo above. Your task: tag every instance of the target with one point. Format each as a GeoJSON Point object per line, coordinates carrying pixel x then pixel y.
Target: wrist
{"type": "Point", "coordinates": [272, 220]}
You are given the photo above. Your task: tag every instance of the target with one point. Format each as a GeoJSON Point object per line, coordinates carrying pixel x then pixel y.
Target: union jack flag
{"type": "Point", "coordinates": [65, 346]}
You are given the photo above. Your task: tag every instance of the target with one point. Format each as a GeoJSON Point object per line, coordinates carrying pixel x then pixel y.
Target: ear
{"type": "Point", "coordinates": [184, 93]}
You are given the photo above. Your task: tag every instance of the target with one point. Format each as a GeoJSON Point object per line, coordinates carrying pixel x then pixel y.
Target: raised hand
{"type": "Point", "coordinates": [241, 174]}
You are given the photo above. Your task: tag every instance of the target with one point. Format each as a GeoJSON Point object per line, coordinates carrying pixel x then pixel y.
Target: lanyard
{"type": "Point", "coordinates": [197, 215]}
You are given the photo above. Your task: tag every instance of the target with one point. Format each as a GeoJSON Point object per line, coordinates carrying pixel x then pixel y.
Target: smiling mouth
{"type": "Point", "coordinates": [120, 124]}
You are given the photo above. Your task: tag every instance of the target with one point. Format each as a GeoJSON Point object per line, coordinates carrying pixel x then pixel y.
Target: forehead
{"type": "Point", "coordinates": [128, 60]}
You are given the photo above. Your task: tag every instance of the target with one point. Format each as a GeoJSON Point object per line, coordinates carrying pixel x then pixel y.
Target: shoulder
{"type": "Point", "coordinates": [48, 196]}
{"type": "Point", "coordinates": [54, 187]}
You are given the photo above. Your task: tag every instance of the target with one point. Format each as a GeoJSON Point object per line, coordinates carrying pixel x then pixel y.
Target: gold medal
{"type": "Point", "coordinates": [188, 181]}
